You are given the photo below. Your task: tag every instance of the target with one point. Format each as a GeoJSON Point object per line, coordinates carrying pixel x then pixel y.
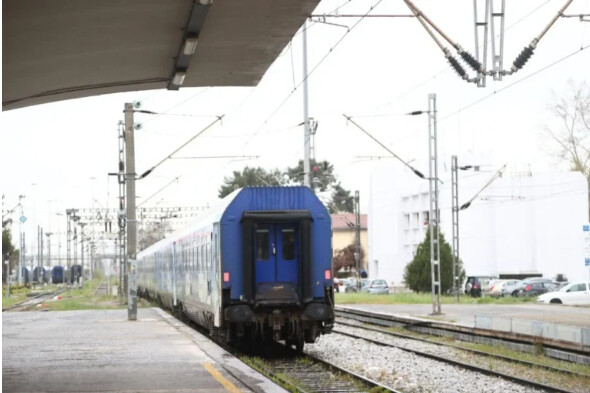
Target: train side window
{"type": "Point", "coordinates": [202, 257]}
{"type": "Point", "coordinates": [288, 244]}
{"type": "Point", "coordinates": [262, 240]}
{"type": "Point", "coordinates": [209, 265]}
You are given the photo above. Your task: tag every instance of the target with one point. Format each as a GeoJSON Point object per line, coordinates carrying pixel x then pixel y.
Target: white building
{"type": "Point", "coordinates": [521, 224]}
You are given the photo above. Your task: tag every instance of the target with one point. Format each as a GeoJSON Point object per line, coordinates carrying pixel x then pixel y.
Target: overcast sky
{"type": "Point", "coordinates": [375, 72]}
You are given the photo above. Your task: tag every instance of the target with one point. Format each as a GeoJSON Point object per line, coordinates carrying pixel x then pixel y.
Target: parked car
{"type": "Point", "coordinates": [534, 286]}
{"type": "Point", "coordinates": [474, 284]}
{"type": "Point", "coordinates": [496, 286]}
{"type": "Point", "coordinates": [511, 289]}
{"type": "Point", "coordinates": [376, 286]}
{"type": "Point", "coordinates": [574, 293]}
{"type": "Point", "coordinates": [349, 284]}
{"type": "Point", "coordinates": [340, 284]}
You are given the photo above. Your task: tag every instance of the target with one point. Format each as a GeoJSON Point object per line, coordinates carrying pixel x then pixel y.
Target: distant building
{"type": "Point", "coordinates": [343, 233]}
{"type": "Point", "coordinates": [520, 225]}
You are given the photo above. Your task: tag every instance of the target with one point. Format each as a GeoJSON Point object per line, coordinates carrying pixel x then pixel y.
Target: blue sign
{"type": "Point", "coordinates": [587, 261]}
{"type": "Point", "coordinates": [586, 228]}
{"type": "Point", "coordinates": [23, 219]}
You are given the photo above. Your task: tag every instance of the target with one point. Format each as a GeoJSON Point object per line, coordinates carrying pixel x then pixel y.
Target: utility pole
{"type": "Point", "coordinates": [306, 125]}
{"type": "Point", "coordinates": [435, 277]}
{"type": "Point", "coordinates": [455, 217]}
{"type": "Point", "coordinates": [7, 262]}
{"type": "Point", "coordinates": [121, 215]}
{"type": "Point", "coordinates": [48, 234]}
{"type": "Point", "coordinates": [21, 221]}
{"type": "Point", "coordinates": [82, 224]}
{"type": "Point", "coordinates": [357, 243]}
{"type": "Point", "coordinates": [68, 243]}
{"type": "Point", "coordinates": [130, 175]}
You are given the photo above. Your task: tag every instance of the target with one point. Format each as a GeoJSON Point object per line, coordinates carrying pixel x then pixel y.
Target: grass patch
{"type": "Point", "coordinates": [74, 298]}
{"type": "Point", "coordinates": [539, 359]}
{"type": "Point", "coordinates": [17, 294]}
{"type": "Point", "coordinates": [423, 298]}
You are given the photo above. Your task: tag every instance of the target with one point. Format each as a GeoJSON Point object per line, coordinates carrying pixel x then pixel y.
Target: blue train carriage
{"type": "Point", "coordinates": [255, 267]}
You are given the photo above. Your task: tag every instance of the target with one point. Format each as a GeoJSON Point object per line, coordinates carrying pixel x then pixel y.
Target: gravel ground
{"type": "Point", "coordinates": [575, 384]}
{"type": "Point", "coordinates": [405, 371]}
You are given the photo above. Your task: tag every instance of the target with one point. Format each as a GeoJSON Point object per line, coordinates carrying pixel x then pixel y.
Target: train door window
{"type": "Point", "coordinates": [288, 241]}
{"type": "Point", "coordinates": [262, 240]}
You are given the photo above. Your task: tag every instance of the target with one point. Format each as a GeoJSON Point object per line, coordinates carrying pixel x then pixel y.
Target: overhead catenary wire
{"type": "Point", "coordinates": [143, 175]}
{"type": "Point", "coordinates": [496, 175]}
{"type": "Point", "coordinates": [160, 190]}
{"type": "Point", "coordinates": [417, 172]}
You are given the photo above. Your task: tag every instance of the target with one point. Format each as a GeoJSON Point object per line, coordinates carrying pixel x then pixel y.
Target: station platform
{"type": "Point", "coordinates": [101, 351]}
{"type": "Point", "coordinates": [550, 321]}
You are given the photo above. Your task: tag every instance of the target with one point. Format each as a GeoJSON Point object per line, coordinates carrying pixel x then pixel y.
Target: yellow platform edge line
{"type": "Point", "coordinates": [230, 387]}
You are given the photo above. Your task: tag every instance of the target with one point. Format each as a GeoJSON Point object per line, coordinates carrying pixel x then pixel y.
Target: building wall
{"type": "Point", "coordinates": [519, 224]}
{"type": "Point", "coordinates": [342, 238]}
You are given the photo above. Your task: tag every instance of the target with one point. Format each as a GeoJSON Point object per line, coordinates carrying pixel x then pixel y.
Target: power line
{"type": "Point", "coordinates": [417, 172]}
{"type": "Point", "coordinates": [181, 146]}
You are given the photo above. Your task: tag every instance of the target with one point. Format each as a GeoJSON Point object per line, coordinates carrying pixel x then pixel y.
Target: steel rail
{"type": "Point", "coordinates": [39, 298]}
{"type": "Point", "coordinates": [474, 351]}
{"type": "Point", "coordinates": [520, 381]}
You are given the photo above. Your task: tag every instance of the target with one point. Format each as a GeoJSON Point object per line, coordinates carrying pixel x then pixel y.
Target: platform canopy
{"type": "Point", "coordinates": [61, 49]}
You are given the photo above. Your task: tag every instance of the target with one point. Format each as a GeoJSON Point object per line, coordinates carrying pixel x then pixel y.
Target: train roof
{"type": "Point", "coordinates": [232, 206]}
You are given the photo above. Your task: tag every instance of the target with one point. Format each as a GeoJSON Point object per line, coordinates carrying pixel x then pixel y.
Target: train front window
{"type": "Point", "coordinates": [262, 240]}
{"type": "Point", "coordinates": [288, 244]}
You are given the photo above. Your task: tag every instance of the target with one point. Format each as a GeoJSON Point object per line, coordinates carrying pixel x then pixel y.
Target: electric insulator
{"type": "Point", "coordinates": [522, 58]}
{"type": "Point", "coordinates": [469, 59]}
{"type": "Point", "coordinates": [457, 67]}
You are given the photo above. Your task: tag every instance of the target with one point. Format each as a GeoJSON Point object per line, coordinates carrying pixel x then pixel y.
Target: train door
{"type": "Point", "coordinates": [276, 258]}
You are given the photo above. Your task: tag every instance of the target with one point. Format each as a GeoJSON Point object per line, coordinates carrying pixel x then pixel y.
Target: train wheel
{"type": "Point", "coordinates": [299, 343]}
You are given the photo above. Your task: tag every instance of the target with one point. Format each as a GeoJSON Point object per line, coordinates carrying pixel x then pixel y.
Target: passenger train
{"type": "Point", "coordinates": [256, 267]}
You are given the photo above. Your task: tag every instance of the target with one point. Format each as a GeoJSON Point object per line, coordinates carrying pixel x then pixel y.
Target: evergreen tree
{"type": "Point", "coordinates": [417, 272]}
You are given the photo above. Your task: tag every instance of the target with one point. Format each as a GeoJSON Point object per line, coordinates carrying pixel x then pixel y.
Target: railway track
{"type": "Point", "coordinates": [530, 345]}
{"type": "Point", "coordinates": [32, 301]}
{"type": "Point", "coordinates": [308, 374]}
{"type": "Point", "coordinates": [464, 349]}
{"type": "Point", "coordinates": [469, 366]}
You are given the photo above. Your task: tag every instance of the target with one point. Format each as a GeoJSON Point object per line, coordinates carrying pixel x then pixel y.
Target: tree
{"type": "Point", "coordinates": [572, 135]}
{"type": "Point", "coordinates": [417, 272]}
{"type": "Point", "coordinates": [323, 179]}
{"type": "Point", "coordinates": [344, 258]}
{"type": "Point", "coordinates": [341, 201]}
{"type": "Point", "coordinates": [8, 249]}
{"type": "Point", "coordinates": [251, 177]}
{"type": "Point", "coordinates": [322, 176]}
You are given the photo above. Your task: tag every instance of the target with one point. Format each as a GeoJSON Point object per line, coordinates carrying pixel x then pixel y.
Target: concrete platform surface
{"type": "Point", "coordinates": [101, 351]}
{"type": "Point", "coordinates": [464, 314]}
